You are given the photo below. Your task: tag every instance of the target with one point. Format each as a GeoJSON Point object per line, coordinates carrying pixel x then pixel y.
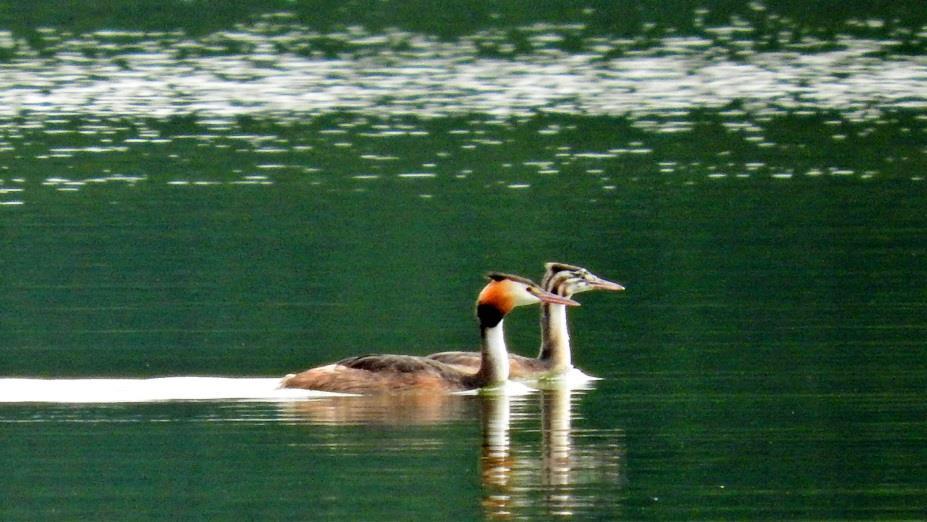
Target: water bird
{"type": "Point", "coordinates": [368, 374]}
{"type": "Point", "coordinates": [555, 355]}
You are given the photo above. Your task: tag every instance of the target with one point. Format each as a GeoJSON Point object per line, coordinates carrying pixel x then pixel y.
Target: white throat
{"type": "Point", "coordinates": [495, 363]}
{"type": "Point", "coordinates": [558, 322]}
{"type": "Point", "coordinates": [555, 347]}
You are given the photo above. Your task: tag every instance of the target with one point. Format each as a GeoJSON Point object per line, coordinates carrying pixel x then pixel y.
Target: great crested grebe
{"type": "Point", "coordinates": [554, 357]}
{"type": "Point", "coordinates": [400, 373]}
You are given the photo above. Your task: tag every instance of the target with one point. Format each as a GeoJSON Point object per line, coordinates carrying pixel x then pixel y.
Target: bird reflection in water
{"type": "Point", "coordinates": [557, 462]}
{"type": "Point", "coordinates": [404, 409]}
{"type": "Point", "coordinates": [533, 476]}
{"type": "Point", "coordinates": [496, 461]}
{"type": "Point", "coordinates": [522, 479]}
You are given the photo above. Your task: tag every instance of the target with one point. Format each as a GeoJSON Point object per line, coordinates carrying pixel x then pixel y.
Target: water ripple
{"type": "Point", "coordinates": [268, 71]}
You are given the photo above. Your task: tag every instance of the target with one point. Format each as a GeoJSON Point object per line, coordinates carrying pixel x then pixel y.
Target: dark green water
{"type": "Point", "coordinates": [253, 189]}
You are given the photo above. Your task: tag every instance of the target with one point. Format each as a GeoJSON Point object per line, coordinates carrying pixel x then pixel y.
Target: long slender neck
{"type": "Point", "coordinates": [494, 364]}
{"type": "Point", "coordinates": [555, 337]}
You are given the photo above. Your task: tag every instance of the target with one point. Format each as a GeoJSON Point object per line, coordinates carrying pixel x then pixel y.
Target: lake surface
{"type": "Point", "coordinates": [195, 201]}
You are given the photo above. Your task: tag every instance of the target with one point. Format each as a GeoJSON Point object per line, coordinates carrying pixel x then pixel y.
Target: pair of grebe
{"type": "Point", "coordinates": [462, 371]}
{"type": "Point", "coordinates": [555, 355]}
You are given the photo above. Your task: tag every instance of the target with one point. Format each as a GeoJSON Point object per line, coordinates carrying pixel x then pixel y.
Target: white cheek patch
{"type": "Point", "coordinates": [523, 297]}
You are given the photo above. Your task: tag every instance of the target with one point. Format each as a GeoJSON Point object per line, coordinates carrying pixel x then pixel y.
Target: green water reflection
{"type": "Point", "coordinates": [403, 454]}
{"type": "Point", "coordinates": [256, 189]}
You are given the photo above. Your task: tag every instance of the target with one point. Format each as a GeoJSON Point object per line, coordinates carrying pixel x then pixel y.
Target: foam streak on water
{"type": "Point", "coordinates": [13, 390]}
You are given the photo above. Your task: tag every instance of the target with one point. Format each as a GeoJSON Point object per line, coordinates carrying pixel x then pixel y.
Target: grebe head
{"type": "Point", "coordinates": [505, 292]}
{"type": "Point", "coordinates": [566, 280]}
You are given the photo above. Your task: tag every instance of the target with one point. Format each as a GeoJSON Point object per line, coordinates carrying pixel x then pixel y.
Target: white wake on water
{"type": "Point", "coordinates": [195, 388]}
{"type": "Point", "coordinates": [14, 390]}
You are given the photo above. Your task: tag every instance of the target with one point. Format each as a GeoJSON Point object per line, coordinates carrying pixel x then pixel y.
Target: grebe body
{"type": "Point", "coordinates": [367, 374]}
{"type": "Point", "coordinates": [555, 355]}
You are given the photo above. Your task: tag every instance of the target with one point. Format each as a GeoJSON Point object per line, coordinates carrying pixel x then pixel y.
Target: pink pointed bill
{"type": "Point", "coordinates": [547, 297]}
{"type": "Point", "coordinates": [603, 284]}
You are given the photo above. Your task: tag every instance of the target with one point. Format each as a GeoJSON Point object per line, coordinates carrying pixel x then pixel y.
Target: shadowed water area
{"type": "Point", "coordinates": [196, 200]}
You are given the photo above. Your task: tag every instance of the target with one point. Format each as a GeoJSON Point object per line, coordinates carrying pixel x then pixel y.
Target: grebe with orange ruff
{"type": "Point", "coordinates": [401, 373]}
{"type": "Point", "coordinates": [555, 357]}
